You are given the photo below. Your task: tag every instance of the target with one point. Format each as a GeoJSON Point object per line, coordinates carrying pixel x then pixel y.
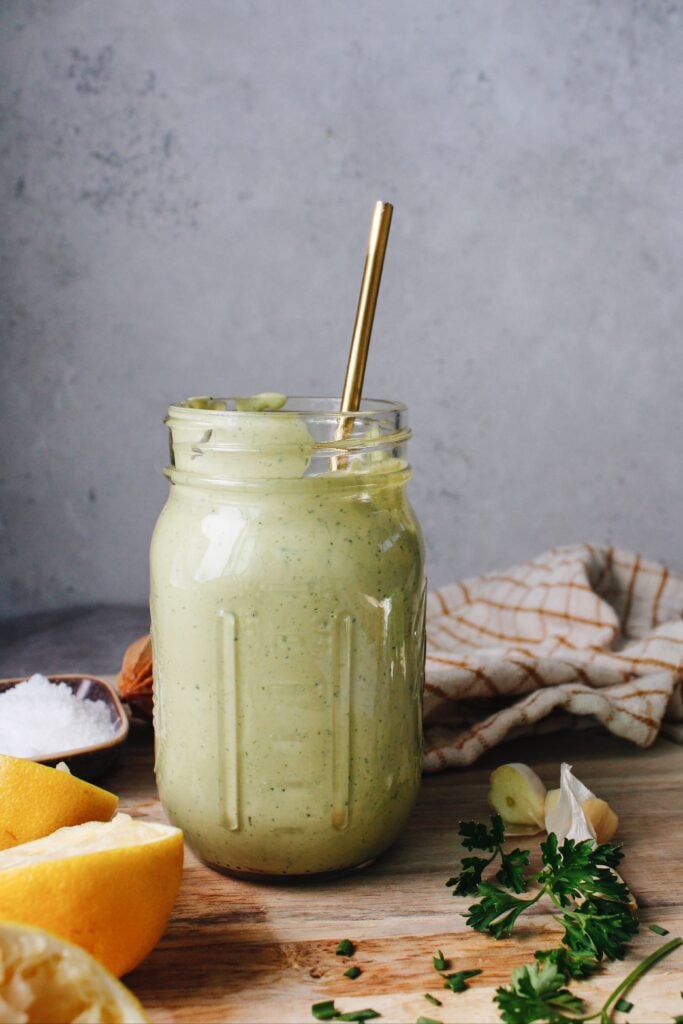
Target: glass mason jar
{"type": "Point", "coordinates": [287, 603]}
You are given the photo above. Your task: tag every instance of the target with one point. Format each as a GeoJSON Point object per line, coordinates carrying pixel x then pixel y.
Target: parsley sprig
{"type": "Point", "coordinates": [593, 903]}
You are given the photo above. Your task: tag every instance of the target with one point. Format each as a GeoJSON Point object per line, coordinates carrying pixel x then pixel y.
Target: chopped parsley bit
{"type": "Point", "coordinates": [427, 1020]}
{"type": "Point", "coordinates": [457, 982]}
{"type": "Point", "coordinates": [623, 1006]}
{"type": "Point", "coordinates": [440, 962]}
{"type": "Point", "coordinates": [328, 1011]}
{"type": "Point", "coordinates": [433, 1000]}
{"type": "Point", "coordinates": [658, 930]}
{"type": "Point", "coordinates": [352, 972]}
{"type": "Point", "coordinates": [345, 948]}
{"type": "Point", "coordinates": [325, 1010]}
{"type": "Point", "coordinates": [360, 1015]}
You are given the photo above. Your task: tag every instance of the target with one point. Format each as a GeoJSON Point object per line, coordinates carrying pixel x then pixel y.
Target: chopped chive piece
{"type": "Point", "coordinates": [440, 962]}
{"type": "Point", "coordinates": [433, 1000]}
{"type": "Point", "coordinates": [325, 1010]}
{"type": "Point", "coordinates": [457, 982]}
{"type": "Point", "coordinates": [352, 972]}
{"type": "Point", "coordinates": [427, 1020]}
{"type": "Point", "coordinates": [658, 930]}
{"type": "Point", "coordinates": [345, 948]}
{"type": "Point", "coordinates": [360, 1015]}
{"type": "Point", "coordinates": [623, 1006]}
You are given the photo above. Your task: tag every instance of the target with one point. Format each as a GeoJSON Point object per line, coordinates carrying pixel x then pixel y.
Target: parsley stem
{"type": "Point", "coordinates": [630, 979]}
{"type": "Point", "coordinates": [639, 970]}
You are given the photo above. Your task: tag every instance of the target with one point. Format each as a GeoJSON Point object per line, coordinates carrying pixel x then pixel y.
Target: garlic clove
{"type": "Point", "coordinates": [601, 816]}
{"type": "Point", "coordinates": [518, 795]}
{"type": "Point", "coordinates": [601, 821]}
{"type": "Point", "coordinates": [564, 814]}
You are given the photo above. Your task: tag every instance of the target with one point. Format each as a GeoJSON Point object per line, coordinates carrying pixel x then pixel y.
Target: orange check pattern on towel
{"type": "Point", "coordinates": [584, 630]}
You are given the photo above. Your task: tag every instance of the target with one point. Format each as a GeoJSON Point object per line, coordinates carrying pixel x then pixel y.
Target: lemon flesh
{"type": "Point", "coordinates": [81, 840]}
{"type": "Point", "coordinates": [45, 980]}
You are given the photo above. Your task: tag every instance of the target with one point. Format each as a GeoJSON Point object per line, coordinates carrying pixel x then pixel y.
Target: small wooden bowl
{"type": "Point", "coordinates": [87, 762]}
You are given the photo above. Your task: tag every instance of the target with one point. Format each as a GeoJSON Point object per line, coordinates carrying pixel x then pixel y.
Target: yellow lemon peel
{"type": "Point", "coordinates": [36, 800]}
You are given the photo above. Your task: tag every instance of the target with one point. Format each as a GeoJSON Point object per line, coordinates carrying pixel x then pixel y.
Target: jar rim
{"type": "Point", "coordinates": [307, 436]}
{"type": "Point", "coordinates": [304, 405]}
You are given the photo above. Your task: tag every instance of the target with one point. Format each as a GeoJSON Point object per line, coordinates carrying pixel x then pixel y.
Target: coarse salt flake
{"type": "Point", "coordinates": [39, 718]}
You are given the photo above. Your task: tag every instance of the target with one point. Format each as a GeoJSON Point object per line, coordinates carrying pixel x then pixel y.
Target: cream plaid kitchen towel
{"type": "Point", "coordinates": [584, 630]}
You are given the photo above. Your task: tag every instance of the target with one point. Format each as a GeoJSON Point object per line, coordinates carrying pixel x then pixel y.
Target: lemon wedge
{"type": "Point", "coordinates": [35, 800]}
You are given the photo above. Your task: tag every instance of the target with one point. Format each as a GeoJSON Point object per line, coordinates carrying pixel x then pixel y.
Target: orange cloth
{"type": "Point", "coordinates": [585, 630]}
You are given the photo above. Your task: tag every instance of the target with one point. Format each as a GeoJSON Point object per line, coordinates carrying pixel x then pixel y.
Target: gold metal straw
{"type": "Point", "coordinates": [365, 313]}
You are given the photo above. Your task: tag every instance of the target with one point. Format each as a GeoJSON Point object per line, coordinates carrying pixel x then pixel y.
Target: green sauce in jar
{"type": "Point", "coordinates": [287, 603]}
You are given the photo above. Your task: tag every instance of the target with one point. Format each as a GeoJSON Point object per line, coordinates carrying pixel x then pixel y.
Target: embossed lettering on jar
{"type": "Point", "coordinates": [287, 600]}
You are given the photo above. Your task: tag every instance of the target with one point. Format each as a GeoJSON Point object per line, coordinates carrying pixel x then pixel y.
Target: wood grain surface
{"type": "Point", "coordinates": [239, 951]}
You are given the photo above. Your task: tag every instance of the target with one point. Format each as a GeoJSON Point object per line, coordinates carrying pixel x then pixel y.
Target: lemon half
{"type": "Point", "coordinates": [106, 886]}
{"type": "Point", "coordinates": [44, 979]}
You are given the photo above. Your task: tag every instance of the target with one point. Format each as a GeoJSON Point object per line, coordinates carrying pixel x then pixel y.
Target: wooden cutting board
{"type": "Point", "coordinates": [238, 951]}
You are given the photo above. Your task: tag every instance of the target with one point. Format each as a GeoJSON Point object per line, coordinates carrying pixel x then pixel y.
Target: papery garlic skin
{"type": "Point", "coordinates": [565, 815]}
{"type": "Point", "coordinates": [518, 794]}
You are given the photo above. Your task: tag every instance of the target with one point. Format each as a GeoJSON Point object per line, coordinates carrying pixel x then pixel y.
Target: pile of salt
{"type": "Point", "coordinates": [39, 718]}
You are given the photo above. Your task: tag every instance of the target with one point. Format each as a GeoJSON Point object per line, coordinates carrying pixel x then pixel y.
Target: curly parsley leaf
{"type": "Point", "coordinates": [477, 836]}
{"type": "Point", "coordinates": [571, 963]}
{"type": "Point", "coordinates": [537, 993]}
{"type": "Point", "coordinates": [512, 872]}
{"type": "Point", "coordinates": [472, 869]}
{"type": "Point", "coordinates": [600, 927]}
{"type": "Point", "coordinates": [497, 910]}
{"type": "Point", "coordinates": [575, 870]}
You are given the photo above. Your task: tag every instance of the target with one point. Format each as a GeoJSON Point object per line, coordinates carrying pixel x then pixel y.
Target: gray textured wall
{"type": "Point", "coordinates": [186, 192]}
